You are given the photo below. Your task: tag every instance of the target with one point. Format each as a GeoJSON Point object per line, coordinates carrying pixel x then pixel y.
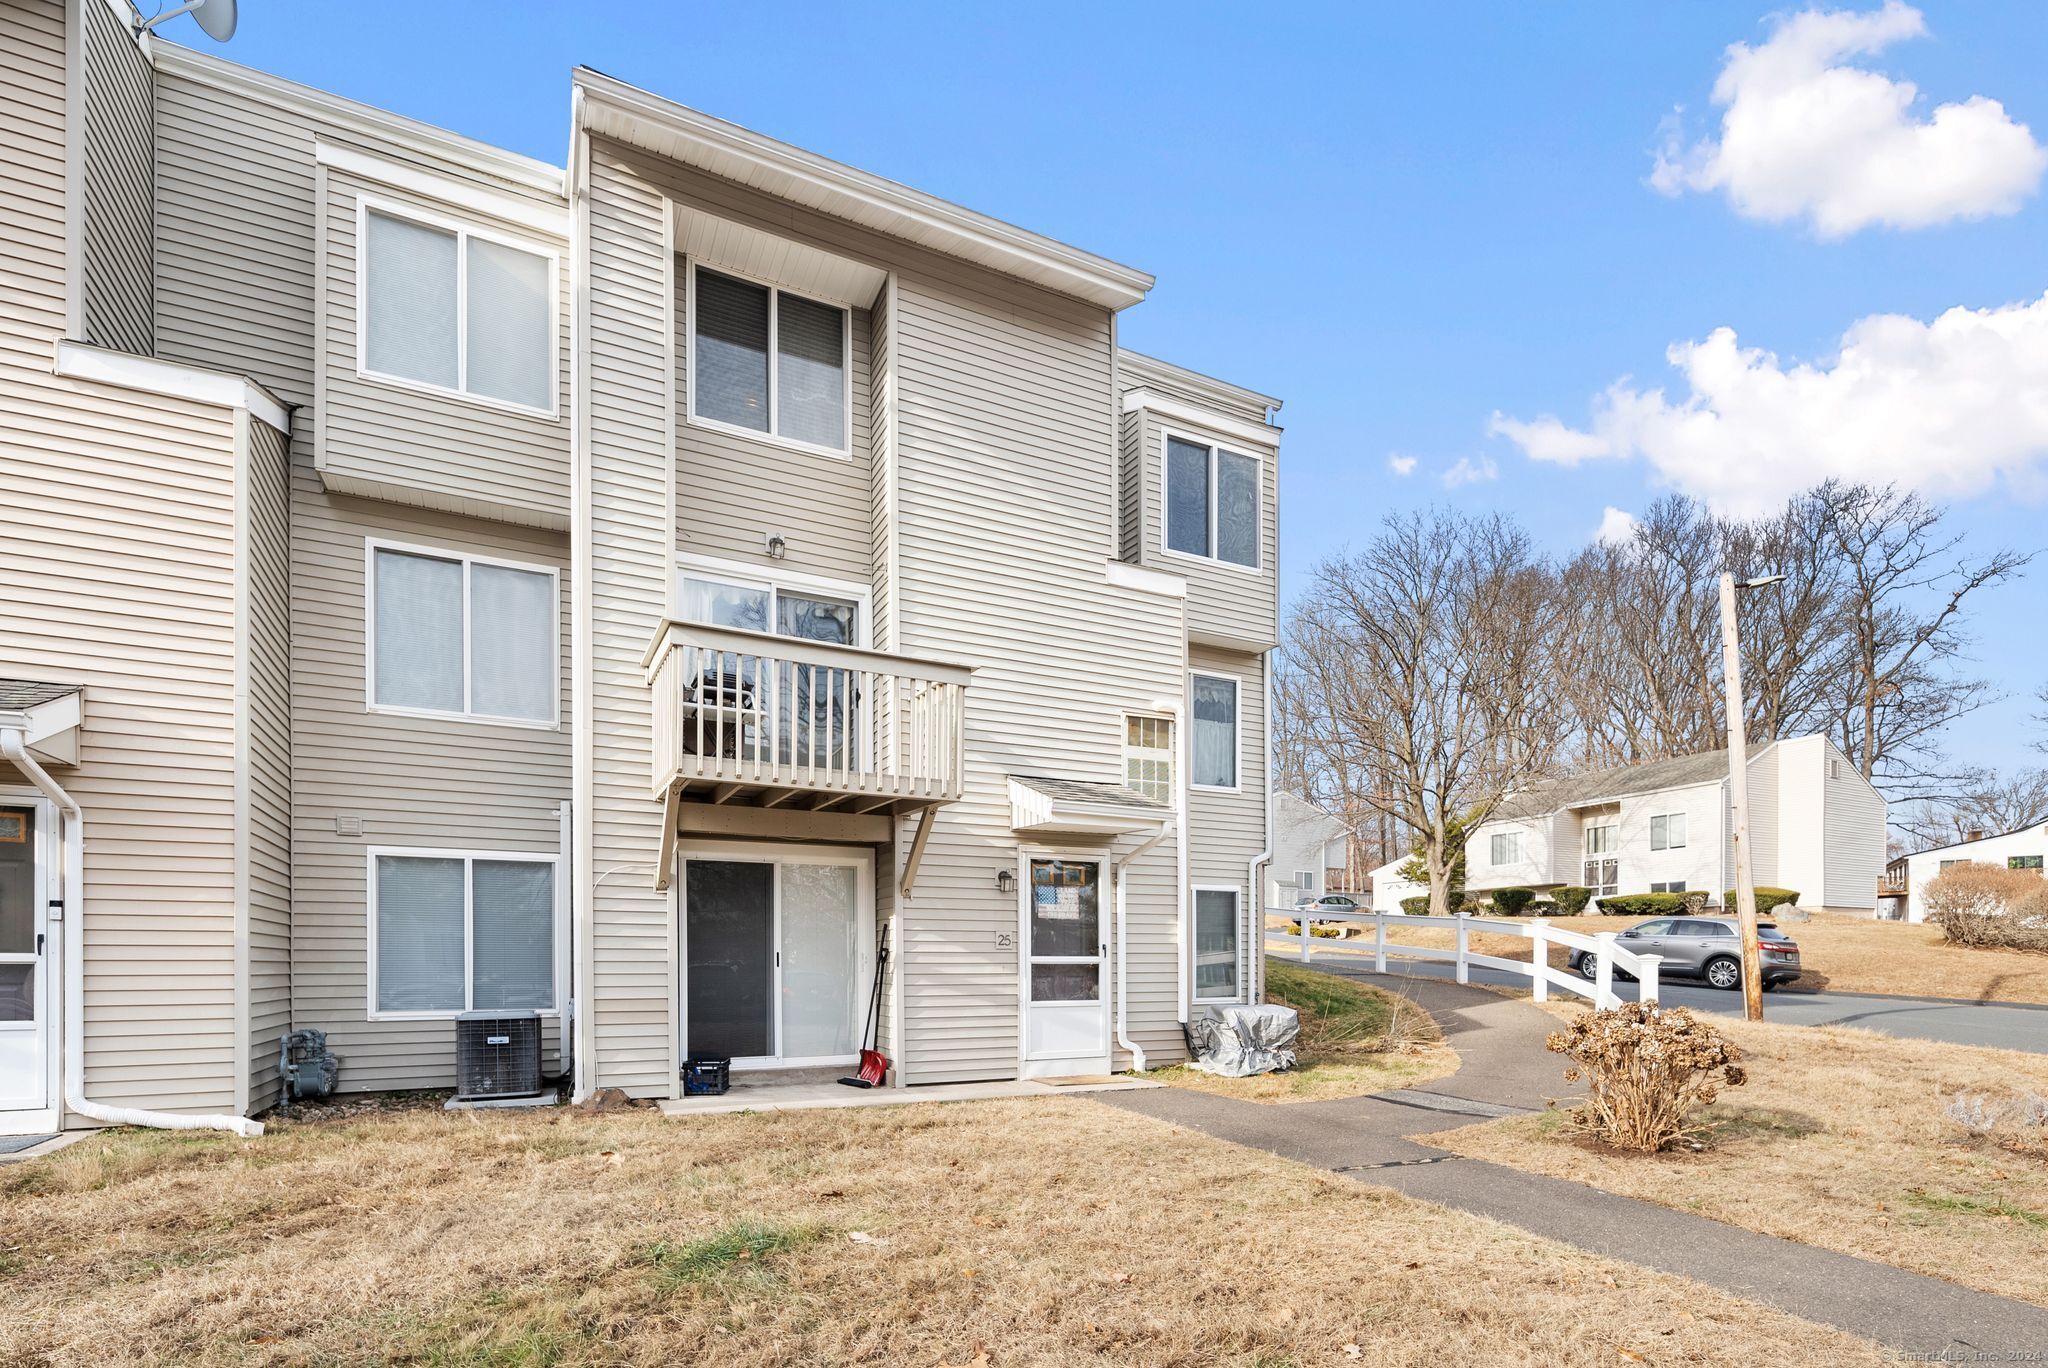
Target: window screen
{"type": "Point", "coordinates": [810, 377]}
{"type": "Point", "coordinates": [1237, 509]}
{"type": "Point", "coordinates": [437, 914]}
{"type": "Point", "coordinates": [429, 612]}
{"type": "Point", "coordinates": [409, 301]}
{"type": "Point", "coordinates": [513, 641]}
{"type": "Point", "coordinates": [418, 612]}
{"type": "Point", "coordinates": [1215, 943]}
{"type": "Point", "coordinates": [731, 370]}
{"type": "Point", "coordinates": [419, 934]}
{"type": "Point", "coordinates": [1187, 497]}
{"type": "Point", "coordinates": [509, 324]}
{"type": "Point", "coordinates": [1215, 732]}
{"type": "Point", "coordinates": [513, 926]}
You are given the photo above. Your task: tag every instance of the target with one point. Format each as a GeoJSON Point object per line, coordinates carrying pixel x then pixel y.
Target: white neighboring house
{"type": "Point", "coordinates": [1307, 844]}
{"type": "Point", "coordinates": [2022, 849]}
{"type": "Point", "coordinates": [1816, 827]}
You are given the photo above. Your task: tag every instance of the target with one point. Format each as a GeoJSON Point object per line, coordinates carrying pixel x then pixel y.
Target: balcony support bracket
{"type": "Point", "coordinates": [664, 868]}
{"type": "Point", "coordinates": [916, 856]}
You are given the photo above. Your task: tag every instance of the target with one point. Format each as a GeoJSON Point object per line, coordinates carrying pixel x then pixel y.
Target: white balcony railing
{"type": "Point", "coordinates": [751, 718]}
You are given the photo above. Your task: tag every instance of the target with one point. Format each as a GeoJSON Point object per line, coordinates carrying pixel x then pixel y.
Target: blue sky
{"type": "Point", "coordinates": [1402, 218]}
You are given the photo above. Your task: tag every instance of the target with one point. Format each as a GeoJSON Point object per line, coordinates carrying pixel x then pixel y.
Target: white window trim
{"type": "Point", "coordinates": [1236, 727]}
{"type": "Point", "coordinates": [692, 418]}
{"type": "Point", "coordinates": [1167, 434]}
{"type": "Point", "coordinates": [371, 546]}
{"type": "Point", "coordinates": [1514, 848]}
{"type": "Point", "coordinates": [368, 204]}
{"type": "Point", "coordinates": [1195, 930]}
{"type": "Point", "coordinates": [1171, 751]}
{"type": "Point", "coordinates": [1669, 844]}
{"type": "Point", "coordinates": [469, 858]}
{"type": "Point", "coordinates": [1614, 848]}
{"type": "Point", "coordinates": [775, 581]}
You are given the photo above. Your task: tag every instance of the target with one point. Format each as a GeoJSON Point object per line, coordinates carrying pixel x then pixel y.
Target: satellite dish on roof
{"type": "Point", "coordinates": [216, 17]}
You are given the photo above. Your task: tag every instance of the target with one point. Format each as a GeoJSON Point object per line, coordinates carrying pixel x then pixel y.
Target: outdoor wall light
{"type": "Point", "coordinates": [1006, 882]}
{"type": "Point", "coordinates": [776, 546]}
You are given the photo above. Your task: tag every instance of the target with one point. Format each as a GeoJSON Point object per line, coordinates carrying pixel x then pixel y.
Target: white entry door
{"type": "Point", "coordinates": [24, 978]}
{"type": "Point", "coordinates": [1066, 969]}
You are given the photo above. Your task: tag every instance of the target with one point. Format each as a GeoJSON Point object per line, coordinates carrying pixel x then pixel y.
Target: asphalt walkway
{"type": "Point", "coordinates": [1504, 1069]}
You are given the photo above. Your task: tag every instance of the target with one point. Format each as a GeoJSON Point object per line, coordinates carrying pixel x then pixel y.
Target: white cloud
{"type": "Point", "coordinates": [1805, 135]}
{"type": "Point", "coordinates": [1616, 526]}
{"type": "Point", "coordinates": [1948, 407]}
{"type": "Point", "coordinates": [1468, 471]}
{"type": "Point", "coordinates": [1403, 466]}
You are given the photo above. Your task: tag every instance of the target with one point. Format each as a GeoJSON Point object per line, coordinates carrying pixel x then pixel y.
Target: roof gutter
{"type": "Point", "coordinates": [14, 747]}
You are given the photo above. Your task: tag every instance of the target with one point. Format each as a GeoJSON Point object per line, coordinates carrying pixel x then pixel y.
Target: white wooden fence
{"type": "Point", "coordinates": [1537, 969]}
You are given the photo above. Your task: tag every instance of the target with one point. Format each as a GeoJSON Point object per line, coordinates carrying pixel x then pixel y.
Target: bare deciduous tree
{"type": "Point", "coordinates": [1424, 663]}
{"type": "Point", "coordinates": [1989, 804]}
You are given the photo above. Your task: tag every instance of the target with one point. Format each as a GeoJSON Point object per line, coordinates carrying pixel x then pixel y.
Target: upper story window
{"type": "Point", "coordinates": [1506, 847]}
{"type": "Point", "coordinates": [462, 636]}
{"type": "Point", "coordinates": [1213, 762]}
{"type": "Point", "coordinates": [1668, 832]}
{"type": "Point", "coordinates": [766, 361]}
{"type": "Point", "coordinates": [1600, 839]}
{"type": "Point", "coordinates": [1212, 503]}
{"type": "Point", "coordinates": [1148, 757]}
{"type": "Point", "coordinates": [454, 309]}
{"type": "Point", "coordinates": [713, 598]}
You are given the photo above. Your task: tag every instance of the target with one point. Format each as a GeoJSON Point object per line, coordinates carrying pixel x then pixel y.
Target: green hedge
{"type": "Point", "coordinates": [1767, 899]}
{"type": "Point", "coordinates": [1644, 904]}
{"type": "Point", "coordinates": [1417, 906]}
{"type": "Point", "coordinates": [1570, 900]}
{"type": "Point", "coordinates": [1512, 902]}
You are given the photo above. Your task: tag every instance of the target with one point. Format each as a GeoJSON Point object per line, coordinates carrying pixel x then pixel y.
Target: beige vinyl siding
{"type": "Point", "coordinates": [428, 782]}
{"type": "Point", "coordinates": [1135, 370]}
{"type": "Point", "coordinates": [631, 939]}
{"type": "Point", "coordinates": [120, 571]}
{"type": "Point", "coordinates": [733, 491]}
{"type": "Point", "coordinates": [882, 476]}
{"type": "Point", "coordinates": [1227, 604]}
{"type": "Point", "coordinates": [118, 223]}
{"type": "Point", "coordinates": [1226, 830]}
{"type": "Point", "coordinates": [416, 446]}
{"type": "Point", "coordinates": [267, 759]}
{"type": "Point", "coordinates": [1130, 512]}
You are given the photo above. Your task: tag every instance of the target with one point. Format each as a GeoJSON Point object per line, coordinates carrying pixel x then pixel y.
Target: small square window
{"type": "Point", "coordinates": [1148, 757]}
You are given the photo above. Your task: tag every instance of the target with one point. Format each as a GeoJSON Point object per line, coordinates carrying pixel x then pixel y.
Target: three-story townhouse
{"type": "Point", "coordinates": [639, 592]}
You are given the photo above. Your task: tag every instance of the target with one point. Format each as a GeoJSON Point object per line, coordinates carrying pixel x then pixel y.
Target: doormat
{"type": "Point", "coordinates": [15, 1144]}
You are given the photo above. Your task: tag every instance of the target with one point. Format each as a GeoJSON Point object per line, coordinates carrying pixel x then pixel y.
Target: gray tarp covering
{"type": "Point", "coordinates": [1240, 1041]}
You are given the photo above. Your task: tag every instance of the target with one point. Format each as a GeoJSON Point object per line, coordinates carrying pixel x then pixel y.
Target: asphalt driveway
{"type": "Point", "coordinates": [2003, 1025]}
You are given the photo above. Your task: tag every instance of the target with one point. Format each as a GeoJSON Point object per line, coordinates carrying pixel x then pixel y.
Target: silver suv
{"type": "Point", "coordinates": [1709, 948]}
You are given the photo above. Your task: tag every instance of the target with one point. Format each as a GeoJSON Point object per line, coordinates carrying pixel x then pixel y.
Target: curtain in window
{"type": "Point", "coordinates": [732, 352]}
{"type": "Point", "coordinates": [418, 612]}
{"type": "Point", "coordinates": [513, 933]}
{"type": "Point", "coordinates": [810, 375]}
{"type": "Point", "coordinates": [1237, 508]}
{"type": "Point", "coordinates": [1215, 943]}
{"type": "Point", "coordinates": [1214, 736]}
{"type": "Point", "coordinates": [512, 642]}
{"type": "Point", "coordinates": [1187, 497]}
{"type": "Point", "coordinates": [419, 934]}
{"type": "Point", "coordinates": [409, 301]}
{"type": "Point", "coordinates": [510, 349]}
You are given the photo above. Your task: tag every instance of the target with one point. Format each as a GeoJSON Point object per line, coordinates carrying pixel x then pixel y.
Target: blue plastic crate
{"type": "Point", "coordinates": [707, 1075]}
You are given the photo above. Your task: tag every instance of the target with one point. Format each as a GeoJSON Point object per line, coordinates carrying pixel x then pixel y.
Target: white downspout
{"type": "Point", "coordinates": [1123, 948]}
{"type": "Point", "coordinates": [13, 745]}
{"type": "Point", "coordinates": [1256, 989]}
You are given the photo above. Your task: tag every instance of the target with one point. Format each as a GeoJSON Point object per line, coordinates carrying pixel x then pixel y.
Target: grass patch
{"type": "Point", "coordinates": [1046, 1230]}
{"type": "Point", "coordinates": [743, 1248]}
{"type": "Point", "coordinates": [1837, 1140]}
{"type": "Point", "coordinates": [1997, 1208]}
{"type": "Point", "coordinates": [1356, 1038]}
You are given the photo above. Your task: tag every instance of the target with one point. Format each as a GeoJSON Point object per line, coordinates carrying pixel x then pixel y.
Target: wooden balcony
{"type": "Point", "coordinates": [750, 719]}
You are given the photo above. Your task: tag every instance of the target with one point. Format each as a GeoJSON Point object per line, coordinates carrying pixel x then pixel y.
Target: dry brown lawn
{"type": "Point", "coordinates": [1840, 952]}
{"type": "Point", "coordinates": [1837, 1140]}
{"type": "Point", "coordinates": [1043, 1231]}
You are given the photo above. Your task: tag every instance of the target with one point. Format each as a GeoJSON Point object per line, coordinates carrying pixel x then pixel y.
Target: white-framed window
{"type": "Point", "coordinates": [1216, 967]}
{"type": "Point", "coordinates": [1305, 880]}
{"type": "Point", "coordinates": [769, 363]}
{"type": "Point", "coordinates": [1148, 756]}
{"type": "Point", "coordinates": [733, 594]}
{"type": "Point", "coordinates": [455, 931]}
{"type": "Point", "coordinates": [1212, 502]}
{"type": "Point", "coordinates": [1667, 832]}
{"type": "Point", "coordinates": [1213, 736]}
{"type": "Point", "coordinates": [1600, 840]}
{"type": "Point", "coordinates": [457, 635]}
{"type": "Point", "coordinates": [1674, 886]}
{"type": "Point", "coordinates": [1505, 847]}
{"type": "Point", "coordinates": [445, 306]}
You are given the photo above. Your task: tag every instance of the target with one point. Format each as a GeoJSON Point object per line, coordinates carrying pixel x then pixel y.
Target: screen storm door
{"type": "Point", "coordinates": [24, 977]}
{"type": "Point", "coordinates": [777, 954]}
{"type": "Point", "coordinates": [1066, 969]}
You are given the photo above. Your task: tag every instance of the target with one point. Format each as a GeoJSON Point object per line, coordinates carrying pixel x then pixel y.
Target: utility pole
{"type": "Point", "coordinates": [1738, 794]}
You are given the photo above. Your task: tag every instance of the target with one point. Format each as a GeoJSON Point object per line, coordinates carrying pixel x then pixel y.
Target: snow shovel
{"type": "Point", "coordinates": [874, 1065]}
